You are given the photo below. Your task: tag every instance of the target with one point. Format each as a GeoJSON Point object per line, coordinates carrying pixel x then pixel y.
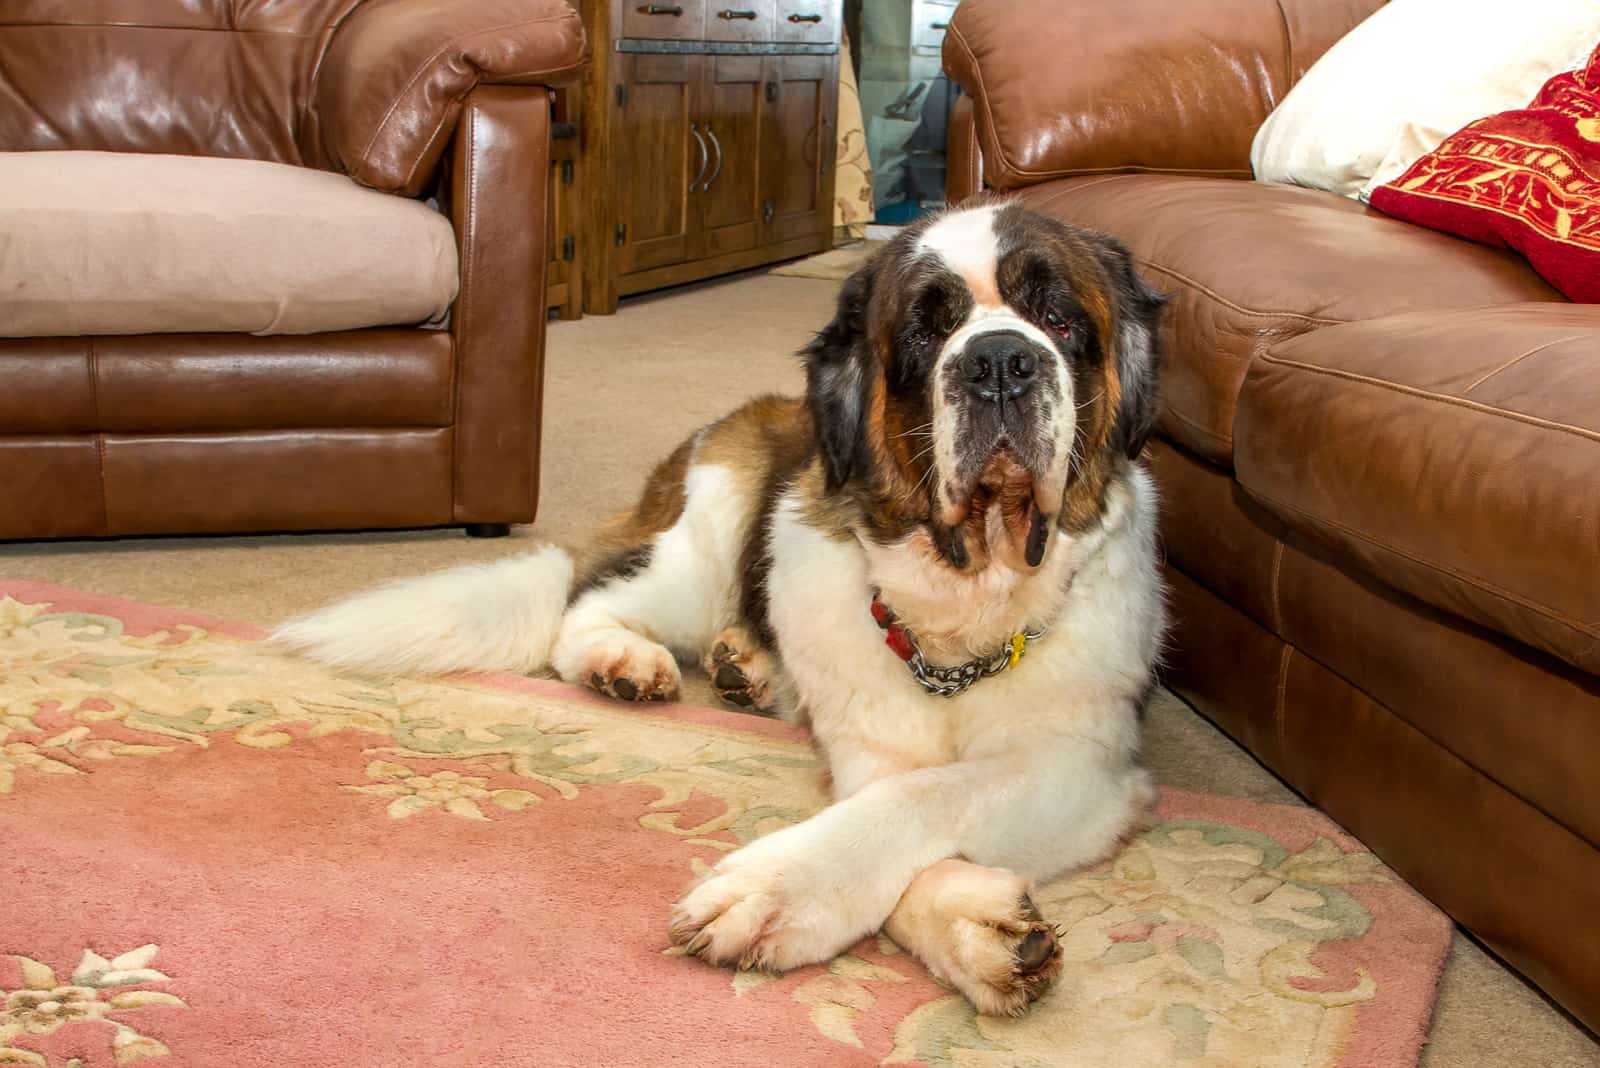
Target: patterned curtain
{"type": "Point", "coordinates": [852, 196]}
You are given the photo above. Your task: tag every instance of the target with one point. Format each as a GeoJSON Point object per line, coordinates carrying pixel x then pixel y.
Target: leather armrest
{"type": "Point", "coordinates": [1103, 86]}
{"type": "Point", "coordinates": [498, 180]}
{"type": "Point", "coordinates": [390, 86]}
{"type": "Point", "coordinates": [964, 159]}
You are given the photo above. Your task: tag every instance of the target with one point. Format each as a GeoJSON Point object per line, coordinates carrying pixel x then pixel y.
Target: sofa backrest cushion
{"type": "Point", "coordinates": [186, 77]}
{"type": "Point", "coordinates": [1065, 89]}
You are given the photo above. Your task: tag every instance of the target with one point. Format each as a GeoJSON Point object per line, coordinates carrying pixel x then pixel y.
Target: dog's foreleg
{"type": "Point", "coordinates": [810, 891]}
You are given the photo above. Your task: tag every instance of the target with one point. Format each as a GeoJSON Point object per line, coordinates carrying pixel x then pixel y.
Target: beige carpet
{"type": "Point", "coordinates": [836, 264]}
{"type": "Point", "coordinates": [622, 391]}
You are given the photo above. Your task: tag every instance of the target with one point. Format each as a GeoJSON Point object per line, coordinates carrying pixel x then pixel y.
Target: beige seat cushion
{"type": "Point", "coordinates": [118, 243]}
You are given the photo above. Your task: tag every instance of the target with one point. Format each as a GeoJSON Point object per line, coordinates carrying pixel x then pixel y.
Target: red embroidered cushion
{"type": "Point", "coordinates": [1528, 180]}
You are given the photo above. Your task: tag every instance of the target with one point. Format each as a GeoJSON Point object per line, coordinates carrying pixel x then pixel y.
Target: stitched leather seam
{"type": "Point", "coordinates": [1136, 168]}
{"type": "Point", "coordinates": [1101, 179]}
{"type": "Point", "coordinates": [1518, 359]}
{"type": "Point", "coordinates": [1442, 398]}
{"type": "Point", "coordinates": [1277, 586]}
{"type": "Point", "coordinates": [328, 33]}
{"type": "Point", "coordinates": [426, 64]}
{"type": "Point", "coordinates": [1225, 444]}
{"type": "Point", "coordinates": [469, 244]}
{"type": "Point", "coordinates": [444, 123]}
{"type": "Point", "coordinates": [99, 434]}
{"type": "Point", "coordinates": [1205, 290]}
{"type": "Point", "coordinates": [1277, 709]}
{"type": "Point", "coordinates": [1288, 46]}
{"type": "Point", "coordinates": [974, 159]}
{"type": "Point", "coordinates": [1555, 615]}
{"type": "Point", "coordinates": [152, 26]}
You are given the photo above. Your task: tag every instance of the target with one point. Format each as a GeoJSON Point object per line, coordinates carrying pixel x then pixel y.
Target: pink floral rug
{"type": "Point", "coordinates": [217, 856]}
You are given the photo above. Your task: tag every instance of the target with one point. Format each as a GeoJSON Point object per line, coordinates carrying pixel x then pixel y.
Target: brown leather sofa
{"type": "Point", "coordinates": [1379, 456]}
{"type": "Point", "coordinates": [385, 427]}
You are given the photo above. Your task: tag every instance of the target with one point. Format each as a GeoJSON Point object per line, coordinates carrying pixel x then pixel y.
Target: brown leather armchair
{"type": "Point", "coordinates": [387, 426]}
{"type": "Point", "coordinates": [1378, 455]}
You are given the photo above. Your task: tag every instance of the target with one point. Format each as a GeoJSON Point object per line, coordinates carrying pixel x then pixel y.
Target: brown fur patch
{"type": "Point", "coordinates": [1096, 463]}
{"type": "Point", "coordinates": [752, 442]}
{"type": "Point", "coordinates": [620, 541]}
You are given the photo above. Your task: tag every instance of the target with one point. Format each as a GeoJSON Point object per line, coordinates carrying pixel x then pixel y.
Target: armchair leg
{"type": "Point", "coordinates": [488, 530]}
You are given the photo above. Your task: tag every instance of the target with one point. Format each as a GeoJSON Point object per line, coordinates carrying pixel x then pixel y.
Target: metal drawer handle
{"type": "Point", "coordinates": [716, 144]}
{"type": "Point", "coordinates": [805, 18]}
{"type": "Point", "coordinates": [940, 25]}
{"type": "Point", "coordinates": [660, 9]}
{"type": "Point", "coordinates": [704, 155]}
{"type": "Point", "coordinates": [730, 14]}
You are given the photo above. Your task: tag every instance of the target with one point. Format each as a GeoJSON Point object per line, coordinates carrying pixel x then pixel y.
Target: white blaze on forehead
{"type": "Point", "coordinates": [965, 240]}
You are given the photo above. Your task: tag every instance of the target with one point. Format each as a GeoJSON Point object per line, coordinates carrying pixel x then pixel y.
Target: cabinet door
{"type": "Point", "coordinates": [655, 158]}
{"type": "Point", "coordinates": [797, 148]}
{"type": "Point", "coordinates": [729, 195]}
{"type": "Point", "coordinates": [561, 206]}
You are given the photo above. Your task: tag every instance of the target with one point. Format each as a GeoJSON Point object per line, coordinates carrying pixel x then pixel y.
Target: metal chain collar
{"type": "Point", "coordinates": [948, 681]}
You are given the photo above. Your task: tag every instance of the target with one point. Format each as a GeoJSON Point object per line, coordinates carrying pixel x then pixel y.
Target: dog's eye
{"type": "Point", "coordinates": [1057, 323]}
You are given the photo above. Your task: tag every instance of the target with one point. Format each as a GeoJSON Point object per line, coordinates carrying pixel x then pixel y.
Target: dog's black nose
{"type": "Point", "coordinates": [999, 366]}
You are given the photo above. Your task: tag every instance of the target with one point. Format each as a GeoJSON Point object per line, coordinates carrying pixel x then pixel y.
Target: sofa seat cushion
{"type": "Point", "coordinates": [1454, 456]}
{"type": "Point", "coordinates": [119, 243]}
{"type": "Point", "coordinates": [1250, 265]}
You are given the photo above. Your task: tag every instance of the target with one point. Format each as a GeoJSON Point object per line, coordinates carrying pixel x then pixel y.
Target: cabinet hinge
{"type": "Point", "coordinates": [622, 96]}
{"type": "Point", "coordinates": [622, 233]}
{"type": "Point", "coordinates": [566, 172]}
{"type": "Point", "coordinates": [569, 248]}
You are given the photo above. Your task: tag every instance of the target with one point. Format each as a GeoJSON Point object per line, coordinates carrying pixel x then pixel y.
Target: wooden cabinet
{"type": "Point", "coordinates": [797, 148]}
{"type": "Point", "coordinates": [729, 194]}
{"type": "Point", "coordinates": [706, 154]}
{"type": "Point", "coordinates": [564, 273]}
{"type": "Point", "coordinates": [665, 154]}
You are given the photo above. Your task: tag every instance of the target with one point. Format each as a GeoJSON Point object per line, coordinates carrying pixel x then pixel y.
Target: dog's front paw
{"type": "Point", "coordinates": [978, 929]}
{"type": "Point", "coordinates": [758, 913]}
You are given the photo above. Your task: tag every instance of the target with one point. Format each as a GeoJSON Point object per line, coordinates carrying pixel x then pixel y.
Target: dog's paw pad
{"type": "Point", "coordinates": [741, 671]}
{"type": "Point", "coordinates": [1034, 951]}
{"type": "Point", "coordinates": [645, 674]}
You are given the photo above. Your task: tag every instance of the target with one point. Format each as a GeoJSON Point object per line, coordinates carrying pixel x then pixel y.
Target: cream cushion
{"type": "Point", "coordinates": [1410, 75]}
{"type": "Point", "coordinates": [119, 243]}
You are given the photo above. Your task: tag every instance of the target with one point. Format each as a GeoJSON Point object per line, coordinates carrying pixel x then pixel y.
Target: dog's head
{"type": "Point", "coordinates": [985, 373]}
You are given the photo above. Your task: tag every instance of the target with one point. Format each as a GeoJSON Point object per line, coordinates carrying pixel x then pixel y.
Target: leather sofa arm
{"type": "Point", "coordinates": [964, 159]}
{"type": "Point", "coordinates": [389, 89]}
{"type": "Point", "coordinates": [1106, 86]}
{"type": "Point", "coordinates": [497, 181]}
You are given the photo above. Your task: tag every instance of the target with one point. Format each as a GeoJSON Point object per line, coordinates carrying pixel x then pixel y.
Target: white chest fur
{"type": "Point", "coordinates": [1098, 593]}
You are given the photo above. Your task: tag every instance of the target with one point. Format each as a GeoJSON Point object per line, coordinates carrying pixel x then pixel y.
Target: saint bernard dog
{"type": "Point", "coordinates": [942, 559]}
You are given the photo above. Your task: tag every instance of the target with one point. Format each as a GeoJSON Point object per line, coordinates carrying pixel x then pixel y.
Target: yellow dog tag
{"type": "Point", "coordinates": [1019, 645]}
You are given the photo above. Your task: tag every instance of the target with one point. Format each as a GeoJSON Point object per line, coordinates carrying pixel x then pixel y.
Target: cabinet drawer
{"type": "Point", "coordinates": [808, 20]}
{"type": "Point", "coordinates": [929, 22]}
{"type": "Point", "coordinates": [739, 20]}
{"type": "Point", "coordinates": [674, 20]}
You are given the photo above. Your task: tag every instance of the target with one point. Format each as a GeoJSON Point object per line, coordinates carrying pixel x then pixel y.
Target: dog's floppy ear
{"type": "Point", "coordinates": [836, 379]}
{"type": "Point", "coordinates": [1138, 348]}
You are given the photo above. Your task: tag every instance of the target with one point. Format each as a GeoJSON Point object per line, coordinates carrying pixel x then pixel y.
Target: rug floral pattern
{"type": "Point", "coordinates": [1211, 939]}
